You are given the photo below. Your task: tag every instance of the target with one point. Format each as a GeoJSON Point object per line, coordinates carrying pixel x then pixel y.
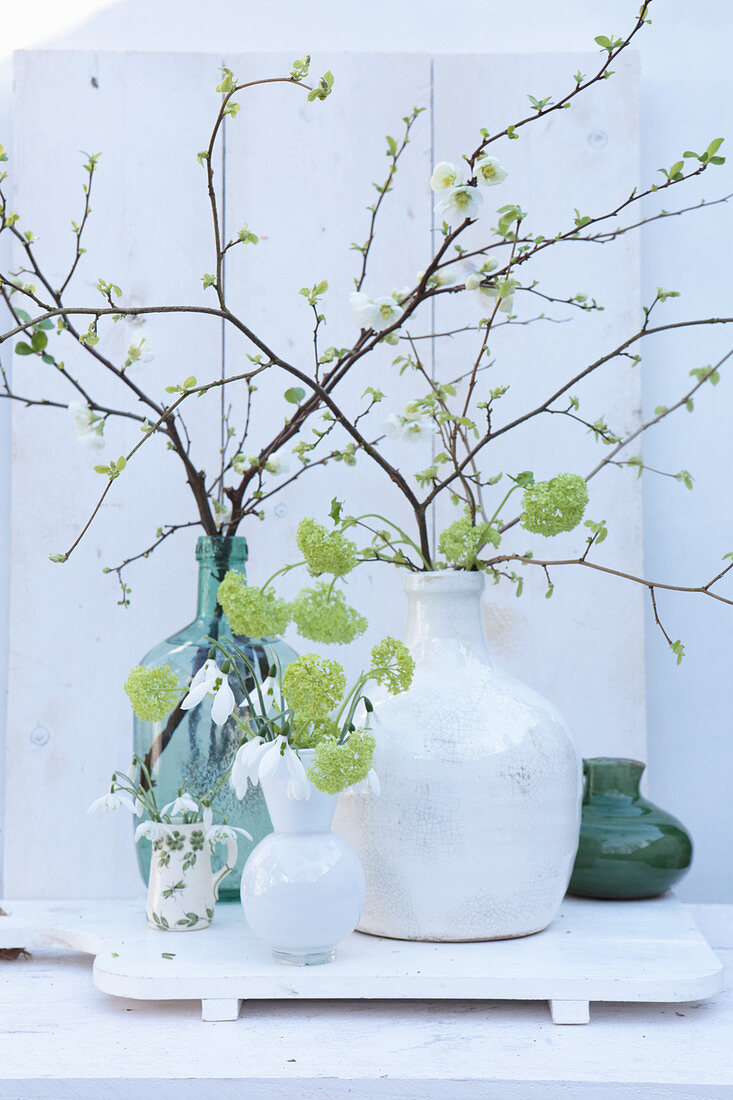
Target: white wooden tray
{"type": "Point", "coordinates": [594, 951]}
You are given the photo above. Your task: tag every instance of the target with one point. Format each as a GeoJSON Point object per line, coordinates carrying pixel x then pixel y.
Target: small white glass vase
{"type": "Point", "coordinates": [183, 888]}
{"type": "Point", "coordinates": [474, 834]}
{"type": "Point", "coordinates": [303, 887]}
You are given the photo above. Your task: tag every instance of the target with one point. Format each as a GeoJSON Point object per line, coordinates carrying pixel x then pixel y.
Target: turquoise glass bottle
{"type": "Point", "coordinates": [187, 747]}
{"type": "Point", "coordinates": [629, 848]}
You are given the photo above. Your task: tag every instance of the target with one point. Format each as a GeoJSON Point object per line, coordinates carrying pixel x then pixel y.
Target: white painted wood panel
{"type": "Point", "coordinates": [583, 648]}
{"type": "Point", "coordinates": [300, 174]}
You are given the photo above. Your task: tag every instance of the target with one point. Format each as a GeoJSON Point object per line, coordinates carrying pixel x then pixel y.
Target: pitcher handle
{"type": "Point", "coordinates": [231, 863]}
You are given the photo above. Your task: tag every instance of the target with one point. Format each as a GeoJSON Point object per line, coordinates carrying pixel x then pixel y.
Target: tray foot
{"type": "Point", "coordinates": [570, 1012]}
{"type": "Point", "coordinates": [214, 1009]}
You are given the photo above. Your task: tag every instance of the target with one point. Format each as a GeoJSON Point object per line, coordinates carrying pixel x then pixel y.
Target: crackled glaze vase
{"type": "Point", "coordinates": [303, 886]}
{"type": "Point", "coordinates": [475, 832]}
{"type": "Point", "coordinates": [187, 747]}
{"type": "Point", "coordinates": [629, 848]}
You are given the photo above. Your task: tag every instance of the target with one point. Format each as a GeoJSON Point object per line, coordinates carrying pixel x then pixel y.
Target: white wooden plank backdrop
{"type": "Point", "coordinates": [300, 175]}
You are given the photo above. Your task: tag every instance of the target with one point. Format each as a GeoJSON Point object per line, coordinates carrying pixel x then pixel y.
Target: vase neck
{"type": "Point", "coordinates": [297, 816]}
{"type": "Point", "coordinates": [217, 555]}
{"type": "Point", "coordinates": [609, 775]}
{"type": "Point", "coordinates": [445, 609]}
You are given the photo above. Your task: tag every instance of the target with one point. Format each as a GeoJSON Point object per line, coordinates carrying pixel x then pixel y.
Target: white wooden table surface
{"type": "Point", "coordinates": [62, 1038]}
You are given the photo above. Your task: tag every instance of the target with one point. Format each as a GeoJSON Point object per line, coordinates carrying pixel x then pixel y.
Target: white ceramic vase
{"type": "Point", "coordinates": [303, 887]}
{"type": "Point", "coordinates": [183, 888]}
{"type": "Point", "coordinates": [476, 829]}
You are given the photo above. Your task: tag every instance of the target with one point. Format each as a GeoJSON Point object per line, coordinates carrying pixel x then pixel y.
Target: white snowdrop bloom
{"type": "Point", "coordinates": [152, 831]}
{"type": "Point", "coordinates": [277, 464]}
{"type": "Point", "coordinates": [489, 171]}
{"type": "Point", "coordinates": [113, 800]}
{"type": "Point", "coordinates": [458, 204]}
{"type": "Point", "coordinates": [299, 787]}
{"type": "Point", "coordinates": [246, 765]}
{"type": "Point", "coordinates": [445, 176]}
{"type": "Point", "coordinates": [88, 426]}
{"type": "Point", "coordinates": [210, 680]}
{"type": "Point", "coordinates": [184, 804]}
{"type": "Point", "coordinates": [217, 834]}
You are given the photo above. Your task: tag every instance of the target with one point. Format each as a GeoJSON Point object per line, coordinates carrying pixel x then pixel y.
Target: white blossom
{"type": "Point", "coordinates": [489, 171]}
{"type": "Point", "coordinates": [377, 314]}
{"type": "Point", "coordinates": [222, 512]}
{"type": "Point", "coordinates": [277, 464]}
{"type": "Point", "coordinates": [458, 204]}
{"type": "Point", "coordinates": [442, 278]}
{"type": "Point", "coordinates": [210, 680]}
{"type": "Point", "coordinates": [246, 765]}
{"type": "Point", "coordinates": [88, 426]}
{"type": "Point", "coordinates": [445, 176]}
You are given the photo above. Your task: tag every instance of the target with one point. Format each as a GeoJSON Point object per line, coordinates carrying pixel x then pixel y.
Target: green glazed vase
{"type": "Point", "coordinates": [629, 848]}
{"type": "Point", "coordinates": [187, 747]}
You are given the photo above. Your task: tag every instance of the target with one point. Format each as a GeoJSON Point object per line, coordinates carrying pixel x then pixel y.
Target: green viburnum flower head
{"type": "Point", "coordinates": [153, 691]}
{"type": "Point", "coordinates": [324, 616]}
{"type": "Point", "coordinates": [554, 506]}
{"type": "Point", "coordinates": [462, 542]}
{"type": "Point", "coordinates": [307, 732]}
{"type": "Point", "coordinates": [336, 767]}
{"type": "Point", "coordinates": [313, 686]}
{"type": "Point", "coordinates": [392, 665]}
{"type": "Point", "coordinates": [324, 552]}
{"type": "Point", "coordinates": [252, 611]}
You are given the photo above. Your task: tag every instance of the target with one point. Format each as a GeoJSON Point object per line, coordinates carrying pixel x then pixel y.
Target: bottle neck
{"type": "Point", "coordinates": [444, 609]}
{"type": "Point", "coordinates": [615, 776]}
{"type": "Point", "coordinates": [216, 557]}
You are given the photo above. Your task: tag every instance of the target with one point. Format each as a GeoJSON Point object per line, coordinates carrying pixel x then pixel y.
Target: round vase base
{"type": "Point", "coordinates": [304, 958]}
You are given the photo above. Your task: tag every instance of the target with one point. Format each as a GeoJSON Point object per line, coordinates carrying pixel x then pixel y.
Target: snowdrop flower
{"type": "Point", "coordinates": [152, 831]}
{"type": "Point", "coordinates": [184, 804]}
{"type": "Point", "coordinates": [458, 204]}
{"type": "Point", "coordinates": [444, 177]}
{"type": "Point", "coordinates": [489, 171]}
{"type": "Point", "coordinates": [277, 464]}
{"type": "Point", "coordinates": [246, 765]}
{"type": "Point", "coordinates": [88, 426]}
{"type": "Point", "coordinates": [218, 834]}
{"type": "Point", "coordinates": [113, 800]}
{"type": "Point", "coordinates": [299, 787]}
{"type": "Point", "coordinates": [210, 680]}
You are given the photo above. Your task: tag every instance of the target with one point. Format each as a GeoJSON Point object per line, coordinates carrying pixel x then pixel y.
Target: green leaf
{"type": "Point", "coordinates": [23, 349]}
{"type": "Point", "coordinates": [336, 510]}
{"type": "Point", "coordinates": [39, 340]}
{"type": "Point", "coordinates": [678, 649]}
{"type": "Point", "coordinates": [58, 558]}
{"type": "Point", "coordinates": [603, 42]}
{"type": "Point", "coordinates": [294, 395]}
{"type": "Point", "coordinates": [189, 382]}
